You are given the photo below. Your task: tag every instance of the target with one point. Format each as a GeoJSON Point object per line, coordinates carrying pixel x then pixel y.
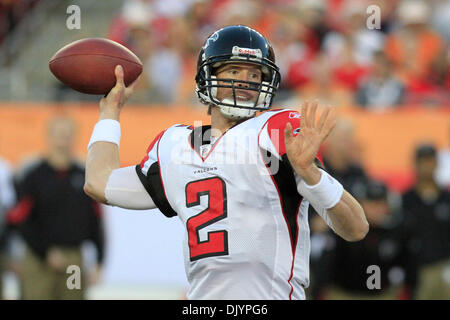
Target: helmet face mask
{"type": "Point", "coordinates": [237, 44]}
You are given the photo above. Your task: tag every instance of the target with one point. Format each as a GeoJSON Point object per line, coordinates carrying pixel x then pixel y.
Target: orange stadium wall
{"type": "Point", "coordinates": [387, 139]}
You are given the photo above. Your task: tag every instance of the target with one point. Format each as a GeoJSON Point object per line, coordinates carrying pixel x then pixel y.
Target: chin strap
{"type": "Point", "coordinates": [235, 112]}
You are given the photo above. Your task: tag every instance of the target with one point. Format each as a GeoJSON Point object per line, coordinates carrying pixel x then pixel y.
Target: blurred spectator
{"type": "Point", "coordinates": [294, 57]}
{"type": "Point", "coordinates": [348, 73]}
{"type": "Point", "coordinates": [133, 28]}
{"type": "Point", "coordinates": [171, 8]}
{"type": "Point", "coordinates": [381, 90]}
{"type": "Point", "coordinates": [312, 13]}
{"type": "Point", "coordinates": [297, 38]}
{"type": "Point", "coordinates": [54, 217]}
{"type": "Point", "coordinates": [427, 211]}
{"type": "Point", "coordinates": [245, 12]}
{"type": "Point", "coordinates": [441, 18]}
{"type": "Point", "coordinates": [413, 49]}
{"type": "Point", "coordinates": [201, 21]}
{"type": "Point", "coordinates": [163, 40]}
{"type": "Point", "coordinates": [365, 42]}
{"type": "Point", "coordinates": [340, 159]}
{"type": "Point", "coordinates": [440, 77]}
{"type": "Point", "coordinates": [134, 13]}
{"type": "Point", "coordinates": [335, 72]}
{"type": "Point", "coordinates": [7, 200]}
{"type": "Point", "coordinates": [442, 174]}
{"type": "Point", "coordinates": [11, 13]}
{"type": "Point", "coordinates": [350, 50]}
{"type": "Point", "coordinates": [386, 246]}
{"type": "Point", "coordinates": [167, 60]}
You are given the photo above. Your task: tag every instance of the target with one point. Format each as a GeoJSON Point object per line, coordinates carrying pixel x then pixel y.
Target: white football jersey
{"type": "Point", "coordinates": [247, 233]}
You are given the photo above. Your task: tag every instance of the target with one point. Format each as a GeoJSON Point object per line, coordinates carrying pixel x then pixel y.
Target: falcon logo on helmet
{"type": "Point", "coordinates": [212, 38]}
{"type": "Point", "coordinates": [237, 44]}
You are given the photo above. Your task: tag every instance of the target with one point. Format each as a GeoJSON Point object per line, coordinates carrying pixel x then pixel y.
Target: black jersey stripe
{"type": "Point", "coordinates": [290, 199]}
{"type": "Point", "coordinates": [153, 184]}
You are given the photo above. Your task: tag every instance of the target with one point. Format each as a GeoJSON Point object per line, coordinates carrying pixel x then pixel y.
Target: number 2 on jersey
{"type": "Point", "coordinates": [217, 242]}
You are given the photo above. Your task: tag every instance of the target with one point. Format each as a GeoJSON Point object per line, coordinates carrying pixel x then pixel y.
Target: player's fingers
{"type": "Point", "coordinates": [118, 71]}
{"type": "Point", "coordinates": [312, 114]}
{"type": "Point", "coordinates": [303, 115]}
{"type": "Point", "coordinates": [329, 123]}
{"type": "Point", "coordinates": [129, 90]}
{"type": "Point", "coordinates": [135, 83]}
{"type": "Point", "coordinates": [322, 119]}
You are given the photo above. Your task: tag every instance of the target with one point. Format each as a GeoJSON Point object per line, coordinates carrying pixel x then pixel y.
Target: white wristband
{"type": "Point", "coordinates": [107, 130]}
{"type": "Point", "coordinates": [325, 194]}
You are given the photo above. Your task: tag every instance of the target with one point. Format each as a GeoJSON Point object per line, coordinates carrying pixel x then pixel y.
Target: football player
{"type": "Point", "coordinates": [242, 185]}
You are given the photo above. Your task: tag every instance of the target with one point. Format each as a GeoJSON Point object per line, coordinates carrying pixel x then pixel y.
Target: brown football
{"type": "Point", "coordinates": [87, 65]}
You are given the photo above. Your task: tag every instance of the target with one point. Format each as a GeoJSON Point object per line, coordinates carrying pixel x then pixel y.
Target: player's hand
{"type": "Point", "coordinates": [56, 260]}
{"type": "Point", "coordinates": [303, 148]}
{"type": "Point", "coordinates": [111, 105]}
{"type": "Point", "coordinates": [95, 275]}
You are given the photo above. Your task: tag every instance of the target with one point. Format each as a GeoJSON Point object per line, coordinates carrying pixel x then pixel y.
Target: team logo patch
{"type": "Point", "coordinates": [204, 149]}
{"type": "Point", "coordinates": [294, 115]}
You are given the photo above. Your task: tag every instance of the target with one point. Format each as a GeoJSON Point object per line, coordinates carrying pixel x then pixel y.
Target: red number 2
{"type": "Point", "coordinates": [217, 242]}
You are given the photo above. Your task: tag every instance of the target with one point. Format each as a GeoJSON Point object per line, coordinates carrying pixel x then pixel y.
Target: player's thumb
{"type": "Point", "coordinates": [288, 134]}
{"type": "Point", "coordinates": [118, 71]}
{"type": "Point", "coordinates": [129, 90]}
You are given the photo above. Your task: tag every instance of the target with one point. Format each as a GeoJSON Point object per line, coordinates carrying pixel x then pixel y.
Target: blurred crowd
{"type": "Point", "coordinates": [11, 13]}
{"type": "Point", "coordinates": [345, 52]}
